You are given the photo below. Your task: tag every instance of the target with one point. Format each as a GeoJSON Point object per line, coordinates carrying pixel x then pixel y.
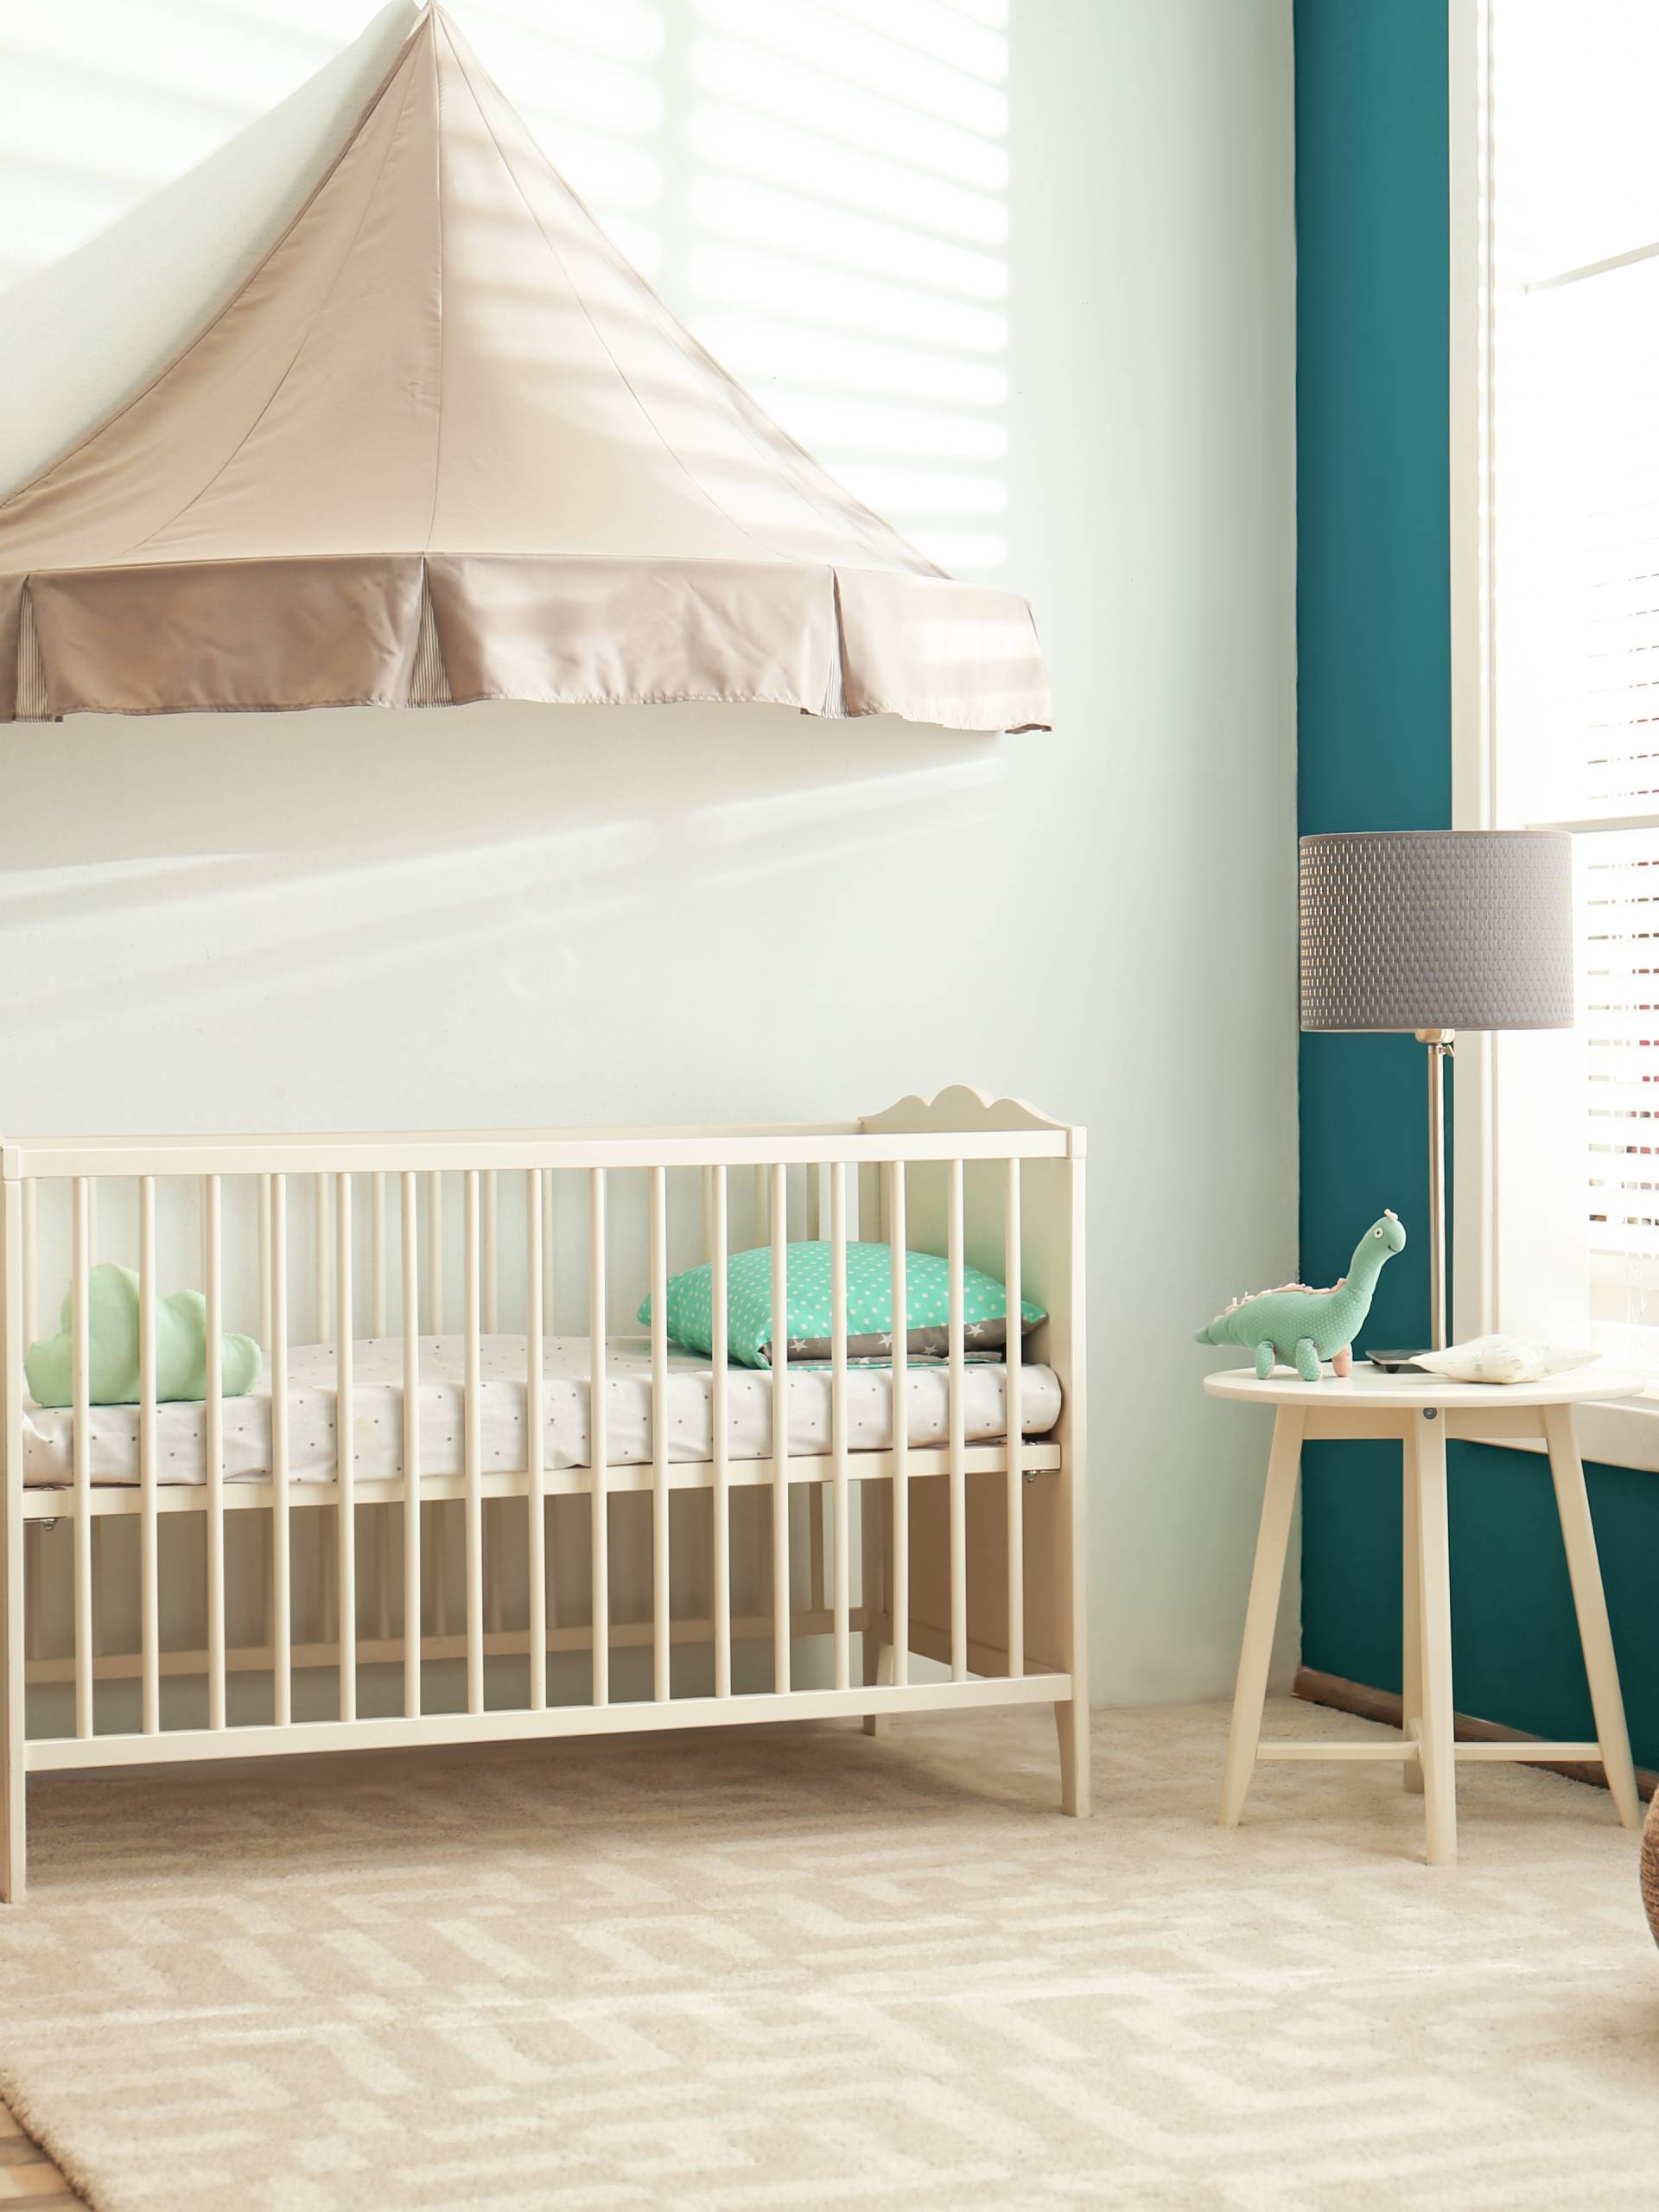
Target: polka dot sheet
{"type": "Point", "coordinates": [378, 1400]}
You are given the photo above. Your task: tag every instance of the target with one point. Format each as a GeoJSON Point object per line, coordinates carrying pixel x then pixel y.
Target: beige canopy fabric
{"type": "Point", "coordinates": [445, 444]}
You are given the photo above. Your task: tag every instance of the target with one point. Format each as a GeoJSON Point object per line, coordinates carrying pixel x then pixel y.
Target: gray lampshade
{"type": "Point", "coordinates": [1438, 929]}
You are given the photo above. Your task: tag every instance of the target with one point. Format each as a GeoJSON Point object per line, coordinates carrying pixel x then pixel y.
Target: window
{"type": "Point", "coordinates": [1555, 436]}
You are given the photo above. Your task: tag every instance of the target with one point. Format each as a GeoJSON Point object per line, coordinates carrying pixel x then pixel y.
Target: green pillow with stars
{"type": "Point", "coordinates": [869, 1305]}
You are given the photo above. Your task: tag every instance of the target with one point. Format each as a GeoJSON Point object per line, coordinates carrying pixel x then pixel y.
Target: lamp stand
{"type": "Point", "coordinates": [1439, 1042]}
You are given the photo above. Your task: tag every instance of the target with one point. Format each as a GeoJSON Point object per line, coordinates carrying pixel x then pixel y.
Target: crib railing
{"type": "Point", "coordinates": [494, 1225]}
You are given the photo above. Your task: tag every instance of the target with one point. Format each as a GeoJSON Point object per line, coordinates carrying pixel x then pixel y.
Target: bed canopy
{"type": "Point", "coordinates": [445, 444]}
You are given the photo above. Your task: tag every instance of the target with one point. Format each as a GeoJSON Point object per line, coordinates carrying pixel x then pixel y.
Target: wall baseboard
{"type": "Point", "coordinates": [1384, 1706]}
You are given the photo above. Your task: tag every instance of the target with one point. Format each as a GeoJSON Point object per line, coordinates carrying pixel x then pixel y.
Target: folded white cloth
{"type": "Point", "coordinates": [1503, 1359]}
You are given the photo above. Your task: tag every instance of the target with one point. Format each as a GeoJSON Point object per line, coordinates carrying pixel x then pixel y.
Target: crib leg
{"type": "Point", "coordinates": [1071, 1721]}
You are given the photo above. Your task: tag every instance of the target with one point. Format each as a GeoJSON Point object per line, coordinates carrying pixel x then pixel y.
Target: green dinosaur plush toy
{"type": "Point", "coordinates": [112, 1347]}
{"type": "Point", "coordinates": [1302, 1326]}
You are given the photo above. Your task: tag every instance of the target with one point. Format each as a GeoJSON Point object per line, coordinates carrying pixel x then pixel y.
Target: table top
{"type": "Point", "coordinates": [1369, 1388]}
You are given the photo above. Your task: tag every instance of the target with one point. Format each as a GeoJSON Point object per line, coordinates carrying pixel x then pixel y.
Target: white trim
{"type": "Point", "coordinates": [1474, 1255]}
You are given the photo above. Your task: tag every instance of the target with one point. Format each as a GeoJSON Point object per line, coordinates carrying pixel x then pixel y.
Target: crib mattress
{"type": "Point", "coordinates": [377, 1397]}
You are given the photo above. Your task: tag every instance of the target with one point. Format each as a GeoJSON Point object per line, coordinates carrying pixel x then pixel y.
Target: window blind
{"type": "Point", "coordinates": [1575, 414]}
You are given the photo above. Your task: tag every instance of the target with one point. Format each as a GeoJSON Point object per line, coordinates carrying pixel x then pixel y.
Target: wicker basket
{"type": "Point", "coordinates": [1650, 1865]}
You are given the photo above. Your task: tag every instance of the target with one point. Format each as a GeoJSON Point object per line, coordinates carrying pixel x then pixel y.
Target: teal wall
{"type": "Point", "coordinates": [1373, 718]}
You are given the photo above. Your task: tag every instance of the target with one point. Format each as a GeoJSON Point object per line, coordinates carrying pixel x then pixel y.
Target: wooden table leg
{"type": "Point", "coordinates": [1590, 1602]}
{"type": "Point", "coordinates": [1425, 1450]}
{"type": "Point", "coordinates": [1411, 1657]}
{"type": "Point", "coordinates": [1262, 1615]}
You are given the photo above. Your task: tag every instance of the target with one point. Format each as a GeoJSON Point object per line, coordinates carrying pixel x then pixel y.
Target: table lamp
{"type": "Point", "coordinates": [1431, 932]}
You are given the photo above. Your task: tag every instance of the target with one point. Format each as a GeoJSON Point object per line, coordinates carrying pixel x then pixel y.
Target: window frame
{"type": "Point", "coordinates": [1623, 1432]}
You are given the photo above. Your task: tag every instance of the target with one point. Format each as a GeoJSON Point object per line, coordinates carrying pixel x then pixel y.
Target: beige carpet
{"type": "Point", "coordinates": [806, 1969]}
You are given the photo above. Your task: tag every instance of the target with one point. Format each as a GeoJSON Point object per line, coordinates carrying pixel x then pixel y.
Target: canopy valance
{"type": "Point", "coordinates": [446, 444]}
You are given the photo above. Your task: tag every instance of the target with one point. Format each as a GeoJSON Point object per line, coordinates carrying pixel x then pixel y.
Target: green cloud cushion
{"type": "Point", "coordinates": [869, 1305]}
{"type": "Point", "coordinates": [112, 1347]}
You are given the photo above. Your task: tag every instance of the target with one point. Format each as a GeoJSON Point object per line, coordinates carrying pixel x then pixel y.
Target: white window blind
{"type": "Point", "coordinates": [1574, 252]}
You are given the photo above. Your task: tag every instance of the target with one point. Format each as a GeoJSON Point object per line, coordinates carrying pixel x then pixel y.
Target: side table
{"type": "Point", "coordinates": [1421, 1411]}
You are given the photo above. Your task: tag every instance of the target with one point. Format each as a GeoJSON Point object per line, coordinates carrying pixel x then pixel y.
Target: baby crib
{"type": "Point", "coordinates": [539, 1517]}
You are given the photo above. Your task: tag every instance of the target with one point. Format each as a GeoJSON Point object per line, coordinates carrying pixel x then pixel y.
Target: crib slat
{"type": "Point", "coordinates": [213, 1442]}
{"type": "Point", "coordinates": [320, 1197]}
{"type": "Point", "coordinates": [261, 1291]}
{"type": "Point", "coordinates": [380, 1517]}
{"type": "Point", "coordinates": [780, 1585]}
{"type": "Point", "coordinates": [899, 1595]}
{"type": "Point", "coordinates": [377, 1266]}
{"type": "Point", "coordinates": [435, 1317]}
{"type": "Point", "coordinates": [34, 1539]}
{"type": "Point", "coordinates": [474, 1454]}
{"type": "Point", "coordinates": [439, 1533]}
{"type": "Point", "coordinates": [1014, 1355]}
{"type": "Point", "coordinates": [814, 1203]}
{"type": "Point", "coordinates": [492, 1223]}
{"type": "Point", "coordinates": [661, 1649]}
{"type": "Point", "coordinates": [345, 1450]}
{"type": "Point", "coordinates": [434, 1252]}
{"type": "Point", "coordinates": [281, 1528]}
{"type": "Point", "coordinates": [31, 1312]}
{"type": "Point", "coordinates": [761, 1186]}
{"type": "Point", "coordinates": [535, 1423]}
{"type": "Point", "coordinates": [437, 1328]}
{"type": "Point", "coordinates": [959, 1431]}
{"type": "Point", "coordinates": [149, 1562]}
{"type": "Point", "coordinates": [842, 1601]}
{"type": "Point", "coordinates": [598, 1441]}
{"type": "Point", "coordinates": [32, 1535]}
{"type": "Point", "coordinates": [13, 1566]}
{"type": "Point", "coordinates": [817, 1505]}
{"type": "Point", "coordinates": [80, 1394]}
{"type": "Point", "coordinates": [550, 1328]}
{"type": "Point", "coordinates": [95, 1579]}
{"type": "Point", "coordinates": [550, 1308]}
{"type": "Point", "coordinates": [491, 1517]}
{"type": "Point", "coordinates": [719, 1421]}
{"type": "Point", "coordinates": [494, 1516]}
{"type": "Point", "coordinates": [265, 1262]}
{"type": "Point", "coordinates": [408, 1257]}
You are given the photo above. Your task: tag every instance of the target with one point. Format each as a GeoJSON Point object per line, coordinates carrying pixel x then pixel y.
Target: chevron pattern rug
{"type": "Point", "coordinates": [803, 1969]}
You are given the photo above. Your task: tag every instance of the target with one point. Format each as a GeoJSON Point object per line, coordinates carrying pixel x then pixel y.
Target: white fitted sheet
{"type": "Point", "coordinates": [378, 1407]}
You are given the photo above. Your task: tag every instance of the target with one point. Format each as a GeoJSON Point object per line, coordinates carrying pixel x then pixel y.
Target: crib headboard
{"type": "Point", "coordinates": [1051, 1207]}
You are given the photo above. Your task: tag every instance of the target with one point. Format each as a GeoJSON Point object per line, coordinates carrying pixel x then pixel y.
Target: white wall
{"type": "Point", "coordinates": [1027, 284]}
